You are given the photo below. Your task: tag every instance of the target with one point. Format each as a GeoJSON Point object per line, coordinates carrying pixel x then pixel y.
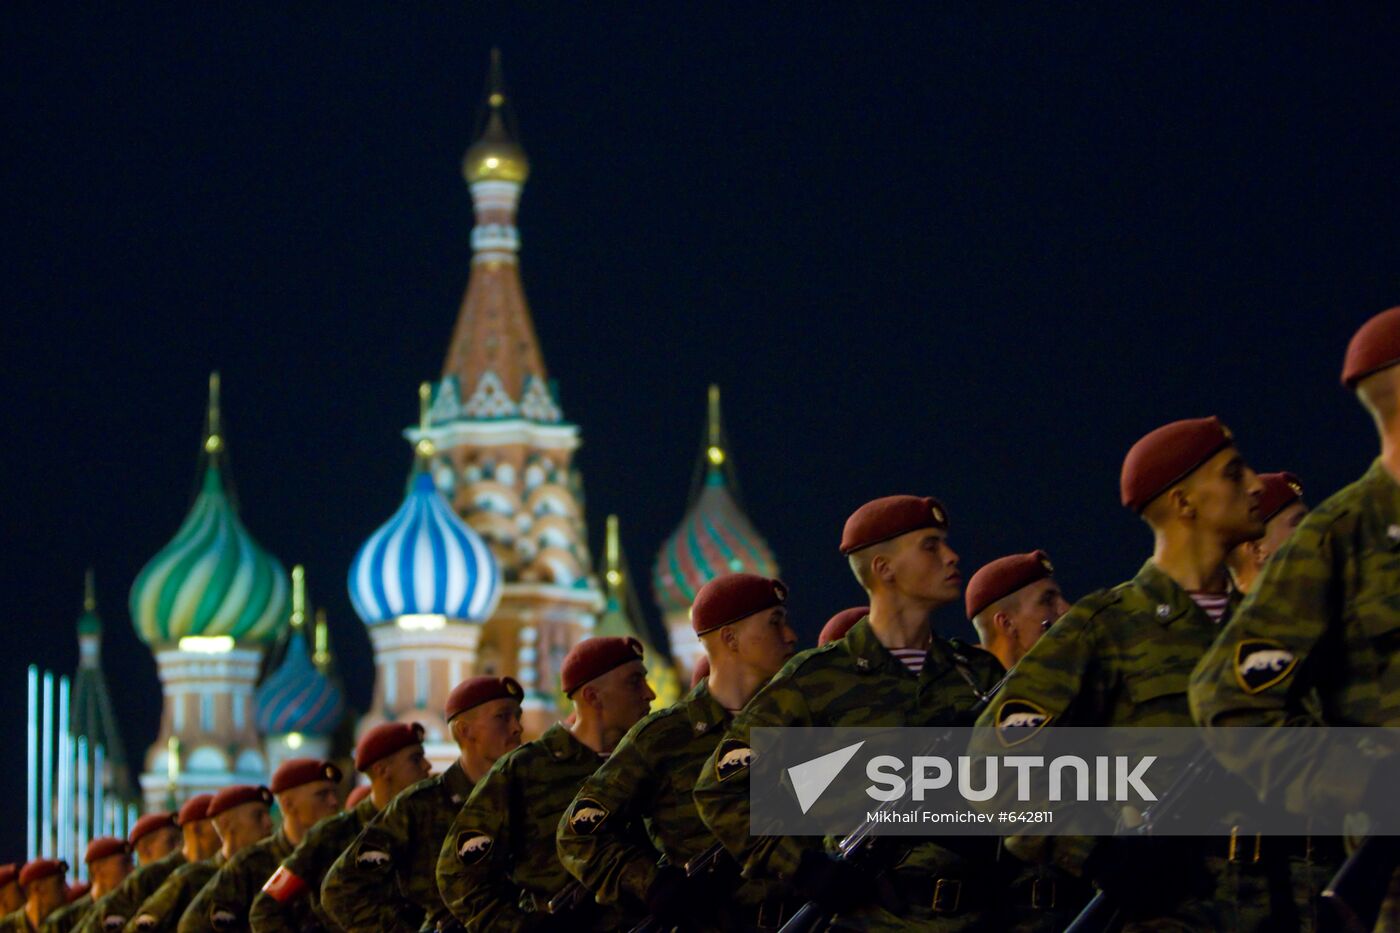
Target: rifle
{"type": "Point", "coordinates": [1102, 910]}
{"type": "Point", "coordinates": [812, 916]}
{"type": "Point", "coordinates": [1359, 887]}
{"type": "Point", "coordinates": [697, 866]}
{"type": "Point", "coordinates": [568, 898]}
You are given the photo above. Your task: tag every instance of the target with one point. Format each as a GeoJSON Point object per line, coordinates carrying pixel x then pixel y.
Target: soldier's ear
{"type": "Point", "coordinates": [1002, 622]}
{"type": "Point", "coordinates": [880, 568]}
{"type": "Point", "coordinates": [729, 637]}
{"type": "Point", "coordinates": [1181, 504]}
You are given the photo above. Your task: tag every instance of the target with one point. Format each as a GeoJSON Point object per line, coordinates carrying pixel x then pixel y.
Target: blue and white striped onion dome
{"type": "Point", "coordinates": [424, 561]}
{"type": "Point", "coordinates": [211, 579]}
{"type": "Point", "coordinates": [297, 697]}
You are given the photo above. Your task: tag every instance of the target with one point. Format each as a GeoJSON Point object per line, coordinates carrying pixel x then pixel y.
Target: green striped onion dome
{"type": "Point", "coordinates": [713, 539]}
{"type": "Point", "coordinates": [211, 579]}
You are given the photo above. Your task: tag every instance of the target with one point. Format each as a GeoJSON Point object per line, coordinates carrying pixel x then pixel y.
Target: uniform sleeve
{"type": "Point", "coordinates": [284, 902]}
{"type": "Point", "coordinates": [722, 788]}
{"type": "Point", "coordinates": [197, 915]}
{"type": "Point", "coordinates": [1049, 685]}
{"type": "Point", "coordinates": [360, 891]}
{"type": "Point", "coordinates": [1257, 674]}
{"type": "Point", "coordinates": [471, 870]}
{"type": "Point", "coordinates": [154, 913]}
{"type": "Point", "coordinates": [608, 855]}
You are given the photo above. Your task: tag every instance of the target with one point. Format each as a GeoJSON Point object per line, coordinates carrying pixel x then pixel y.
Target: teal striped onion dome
{"type": "Point", "coordinates": [211, 579]}
{"type": "Point", "coordinates": [297, 697]}
{"type": "Point", "coordinates": [713, 539]}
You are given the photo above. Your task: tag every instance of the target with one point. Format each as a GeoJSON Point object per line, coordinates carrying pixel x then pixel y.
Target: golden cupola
{"type": "Point", "coordinates": [496, 156]}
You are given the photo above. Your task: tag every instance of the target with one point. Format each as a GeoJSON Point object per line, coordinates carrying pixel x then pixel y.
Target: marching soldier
{"type": "Point", "coordinates": [44, 892]}
{"type": "Point", "coordinates": [741, 620]}
{"type": "Point", "coordinates": [155, 838]}
{"type": "Point", "coordinates": [1314, 641]}
{"type": "Point", "coordinates": [838, 625]}
{"type": "Point", "coordinates": [1281, 508]}
{"type": "Point", "coordinates": [239, 816]}
{"type": "Point", "coordinates": [498, 868]}
{"type": "Point", "coordinates": [391, 754]}
{"type": "Point", "coordinates": [386, 879]}
{"type": "Point", "coordinates": [11, 897]}
{"type": "Point", "coordinates": [1122, 657]}
{"type": "Point", "coordinates": [109, 862]}
{"type": "Point", "coordinates": [307, 792]}
{"type": "Point", "coordinates": [890, 669]}
{"type": "Point", "coordinates": [1011, 602]}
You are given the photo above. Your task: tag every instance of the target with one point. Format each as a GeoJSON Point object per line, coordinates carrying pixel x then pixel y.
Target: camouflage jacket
{"type": "Point", "coordinates": [1119, 657]}
{"type": "Point", "coordinates": [67, 917]}
{"type": "Point", "coordinates": [113, 909]}
{"type": "Point", "coordinates": [386, 879]}
{"type": "Point", "coordinates": [1313, 642]}
{"type": "Point", "coordinates": [498, 863]}
{"type": "Point", "coordinates": [290, 900]}
{"type": "Point", "coordinates": [647, 782]}
{"type": "Point", "coordinates": [15, 922]}
{"type": "Point", "coordinates": [854, 681]}
{"type": "Point", "coordinates": [161, 912]}
{"type": "Point", "coordinates": [222, 905]}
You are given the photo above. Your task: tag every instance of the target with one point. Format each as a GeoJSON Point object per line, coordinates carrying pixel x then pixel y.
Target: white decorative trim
{"type": "Point", "coordinates": [447, 406]}
{"type": "Point", "coordinates": [490, 399]}
{"type": "Point", "coordinates": [536, 402]}
{"type": "Point", "coordinates": [502, 433]}
{"type": "Point", "coordinates": [488, 237]}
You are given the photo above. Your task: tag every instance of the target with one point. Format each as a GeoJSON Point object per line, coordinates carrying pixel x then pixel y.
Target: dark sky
{"type": "Point", "coordinates": [973, 255]}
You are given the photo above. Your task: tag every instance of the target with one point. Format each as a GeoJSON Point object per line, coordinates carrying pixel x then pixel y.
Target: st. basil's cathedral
{"type": "Point", "coordinates": [485, 567]}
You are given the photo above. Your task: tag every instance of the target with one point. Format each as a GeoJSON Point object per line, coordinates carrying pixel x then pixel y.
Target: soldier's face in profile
{"type": "Point", "coordinates": [159, 844]}
{"type": "Point", "coordinates": [244, 825]}
{"type": "Point", "coordinates": [1037, 607]}
{"type": "Point", "coordinates": [111, 870]}
{"type": "Point", "coordinates": [1225, 494]}
{"type": "Point", "coordinates": [764, 641]}
{"type": "Point", "coordinates": [925, 567]}
{"type": "Point", "coordinates": [1280, 527]}
{"type": "Point", "coordinates": [205, 835]}
{"type": "Point", "coordinates": [311, 803]}
{"type": "Point", "coordinates": [48, 894]}
{"type": "Point", "coordinates": [494, 728]}
{"type": "Point", "coordinates": [622, 695]}
{"type": "Point", "coordinates": [404, 768]}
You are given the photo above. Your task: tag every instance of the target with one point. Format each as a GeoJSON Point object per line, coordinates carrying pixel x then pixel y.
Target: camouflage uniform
{"type": "Point", "coordinates": [222, 905]}
{"type": "Point", "coordinates": [308, 862]}
{"type": "Point", "coordinates": [1329, 600]}
{"type": "Point", "coordinates": [1122, 657]}
{"type": "Point", "coordinates": [67, 917]}
{"type": "Point", "coordinates": [161, 912]}
{"type": "Point", "coordinates": [15, 922]}
{"type": "Point", "coordinates": [855, 681]}
{"type": "Point", "coordinates": [113, 909]}
{"type": "Point", "coordinates": [650, 778]}
{"type": "Point", "coordinates": [386, 879]}
{"type": "Point", "coordinates": [498, 864]}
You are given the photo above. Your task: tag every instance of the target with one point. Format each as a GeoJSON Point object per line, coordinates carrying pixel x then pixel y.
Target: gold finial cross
{"type": "Point", "coordinates": [614, 555]}
{"type": "Point", "coordinates": [298, 596]}
{"type": "Point", "coordinates": [214, 441]}
{"type": "Point", "coordinates": [715, 451]}
{"type": "Point", "coordinates": [425, 447]}
{"type": "Point", "coordinates": [89, 592]}
{"type": "Point", "coordinates": [321, 655]}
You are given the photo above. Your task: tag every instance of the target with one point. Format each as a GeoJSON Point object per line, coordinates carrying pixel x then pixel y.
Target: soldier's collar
{"type": "Point", "coordinates": [871, 655]}
{"type": "Point", "coordinates": [456, 782]}
{"type": "Point", "coordinates": [1169, 599]}
{"type": "Point", "coordinates": [703, 710]}
{"type": "Point", "coordinates": [1388, 493]}
{"type": "Point", "coordinates": [561, 743]}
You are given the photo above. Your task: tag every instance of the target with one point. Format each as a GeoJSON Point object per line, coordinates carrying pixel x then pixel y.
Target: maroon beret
{"type": "Point", "coordinates": [882, 519]}
{"type": "Point", "coordinates": [594, 657]}
{"type": "Point", "coordinates": [236, 796]}
{"type": "Point", "coordinates": [77, 889]}
{"type": "Point", "coordinates": [149, 824]}
{"type": "Point", "coordinates": [9, 874]}
{"type": "Point", "coordinates": [1374, 347]}
{"type": "Point", "coordinates": [1004, 576]}
{"type": "Point", "coordinates": [195, 809]}
{"type": "Point", "coordinates": [702, 670]}
{"type": "Point", "coordinates": [39, 869]}
{"type": "Point", "coordinates": [294, 772]}
{"type": "Point", "coordinates": [732, 597]}
{"type": "Point", "coordinates": [1167, 456]}
{"type": "Point", "coordinates": [475, 691]}
{"type": "Point", "coordinates": [383, 740]}
{"type": "Point", "coordinates": [105, 847]}
{"type": "Point", "coordinates": [838, 625]}
{"type": "Point", "coordinates": [360, 792]}
{"type": "Point", "coordinates": [1280, 491]}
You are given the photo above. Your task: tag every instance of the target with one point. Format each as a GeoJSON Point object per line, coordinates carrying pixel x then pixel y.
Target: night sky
{"type": "Point", "coordinates": [967, 255]}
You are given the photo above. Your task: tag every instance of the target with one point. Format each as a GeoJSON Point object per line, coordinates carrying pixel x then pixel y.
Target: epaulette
{"type": "Point", "coordinates": [969, 650]}
{"type": "Point", "coordinates": [1099, 600]}
{"type": "Point", "coordinates": [797, 661]}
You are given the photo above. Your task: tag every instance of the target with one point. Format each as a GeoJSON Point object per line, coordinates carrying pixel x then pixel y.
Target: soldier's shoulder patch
{"type": "Point", "coordinates": [371, 856]}
{"type": "Point", "coordinates": [732, 757]}
{"type": "Point", "coordinates": [221, 918]}
{"type": "Point", "coordinates": [586, 815]}
{"type": "Point", "coordinates": [1260, 663]}
{"type": "Point", "coordinates": [145, 922]}
{"type": "Point", "coordinates": [1018, 721]}
{"type": "Point", "coordinates": [113, 922]}
{"type": "Point", "coordinates": [472, 846]}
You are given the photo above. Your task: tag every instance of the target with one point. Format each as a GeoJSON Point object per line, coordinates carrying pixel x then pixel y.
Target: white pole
{"type": "Point", "coordinates": [131, 817]}
{"type": "Point", "coordinates": [82, 800]}
{"type": "Point", "coordinates": [32, 784]}
{"type": "Point", "coordinates": [46, 804]}
{"type": "Point", "coordinates": [99, 779]}
{"type": "Point", "coordinates": [65, 774]}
